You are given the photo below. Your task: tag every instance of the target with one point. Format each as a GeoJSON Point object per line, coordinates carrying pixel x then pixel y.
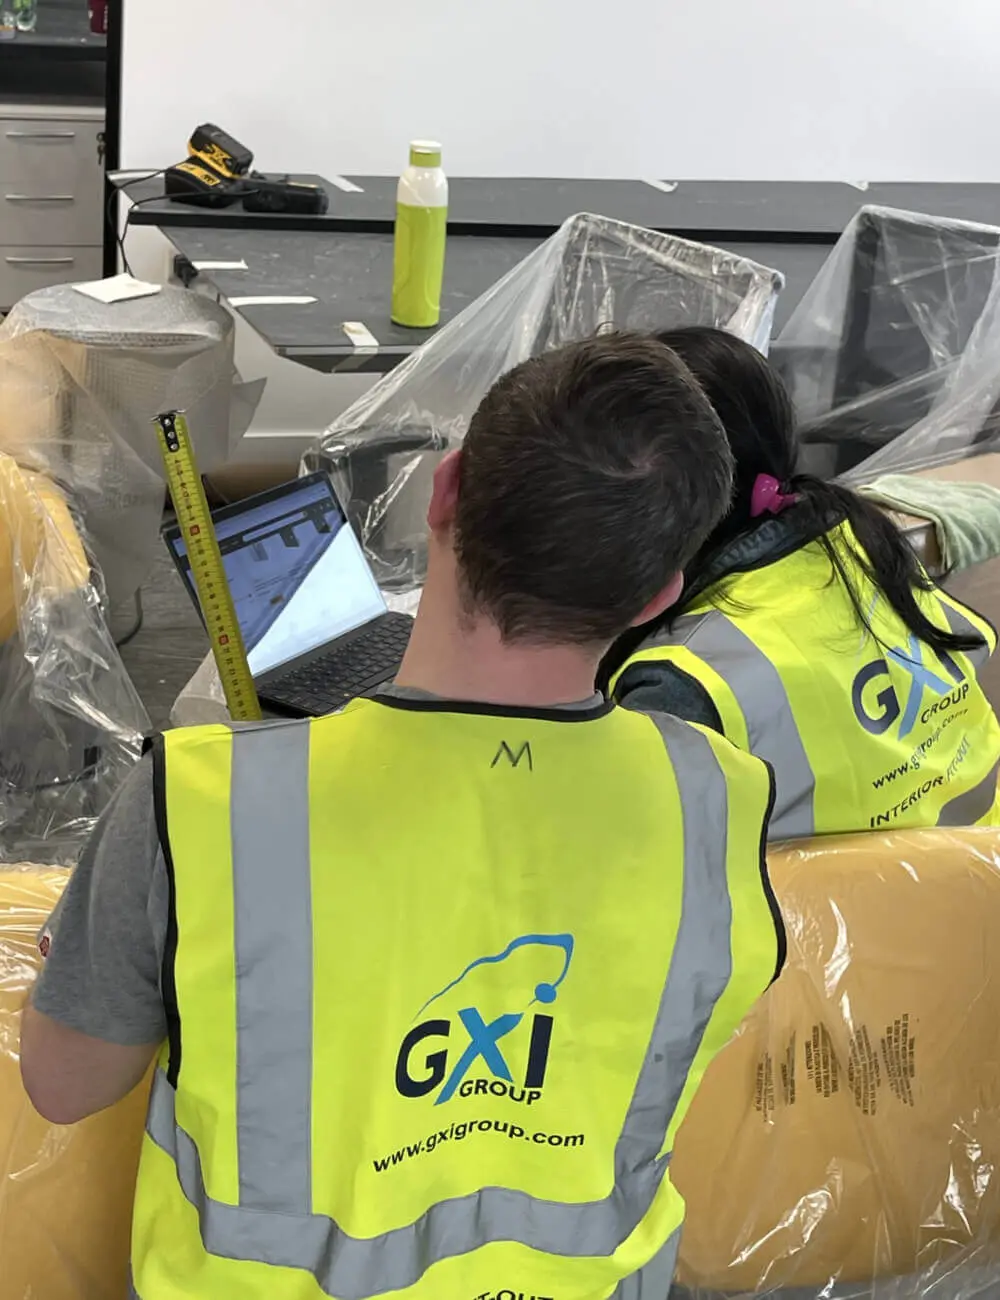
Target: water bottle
{"type": "Point", "coordinates": [421, 233]}
{"type": "Point", "coordinates": [26, 15]}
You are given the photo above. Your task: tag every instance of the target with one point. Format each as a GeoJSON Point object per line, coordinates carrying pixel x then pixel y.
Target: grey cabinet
{"type": "Point", "coordinates": [51, 197]}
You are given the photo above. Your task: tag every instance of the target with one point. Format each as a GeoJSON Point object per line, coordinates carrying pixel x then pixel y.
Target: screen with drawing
{"type": "Point", "coordinates": [296, 570]}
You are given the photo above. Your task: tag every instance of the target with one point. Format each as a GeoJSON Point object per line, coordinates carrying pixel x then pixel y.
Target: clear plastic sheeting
{"type": "Point", "coordinates": [845, 1145]}
{"type": "Point", "coordinates": [71, 723]}
{"type": "Point", "coordinates": [893, 355]}
{"type": "Point", "coordinates": [65, 1193]}
{"type": "Point", "coordinates": [593, 274]}
{"type": "Point", "coordinates": [80, 382]}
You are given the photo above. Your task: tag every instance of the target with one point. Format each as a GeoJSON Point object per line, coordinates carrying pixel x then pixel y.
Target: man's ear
{"type": "Point", "coordinates": [670, 595]}
{"type": "Point", "coordinates": [444, 495]}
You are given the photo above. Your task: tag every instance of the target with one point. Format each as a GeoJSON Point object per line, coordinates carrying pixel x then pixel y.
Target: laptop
{"type": "Point", "coordinates": [316, 627]}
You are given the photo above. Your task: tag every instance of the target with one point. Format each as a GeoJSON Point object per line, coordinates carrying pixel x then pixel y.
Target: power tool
{"type": "Point", "coordinates": [216, 174]}
{"type": "Point", "coordinates": [220, 151]}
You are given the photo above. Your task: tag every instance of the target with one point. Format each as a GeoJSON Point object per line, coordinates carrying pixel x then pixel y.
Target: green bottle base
{"type": "Point", "coordinates": [418, 266]}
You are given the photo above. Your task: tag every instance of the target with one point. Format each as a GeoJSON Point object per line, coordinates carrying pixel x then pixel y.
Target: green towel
{"type": "Point", "coordinates": [966, 516]}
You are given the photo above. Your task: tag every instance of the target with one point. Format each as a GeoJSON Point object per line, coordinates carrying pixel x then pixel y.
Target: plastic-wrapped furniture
{"type": "Point", "coordinates": [593, 274]}
{"type": "Point", "coordinates": [80, 382]}
{"type": "Point", "coordinates": [845, 1145]}
{"type": "Point", "coordinates": [65, 1193]}
{"type": "Point", "coordinates": [71, 723]}
{"type": "Point", "coordinates": [891, 354]}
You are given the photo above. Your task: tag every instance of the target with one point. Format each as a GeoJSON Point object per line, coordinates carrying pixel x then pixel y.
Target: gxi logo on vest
{"type": "Point", "coordinates": [449, 1055]}
{"type": "Point", "coordinates": [878, 708]}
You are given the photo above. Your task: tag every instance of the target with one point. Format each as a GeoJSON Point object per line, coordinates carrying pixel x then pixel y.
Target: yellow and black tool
{"type": "Point", "coordinates": [216, 174]}
{"type": "Point", "coordinates": [220, 151]}
{"type": "Point", "coordinates": [207, 570]}
{"type": "Point", "coordinates": [212, 174]}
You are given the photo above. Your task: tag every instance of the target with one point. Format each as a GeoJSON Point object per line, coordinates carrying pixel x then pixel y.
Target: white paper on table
{"type": "Point", "coordinates": [221, 266]}
{"type": "Point", "coordinates": [117, 288]}
{"type": "Point", "coordinates": [270, 300]}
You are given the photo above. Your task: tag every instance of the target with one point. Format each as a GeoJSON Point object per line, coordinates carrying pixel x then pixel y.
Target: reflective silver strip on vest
{"type": "Point", "coordinates": [962, 626]}
{"type": "Point", "coordinates": [272, 895]}
{"type": "Point", "coordinates": [272, 1031]}
{"type": "Point", "coordinates": [969, 807]}
{"type": "Point", "coordinates": [763, 701]}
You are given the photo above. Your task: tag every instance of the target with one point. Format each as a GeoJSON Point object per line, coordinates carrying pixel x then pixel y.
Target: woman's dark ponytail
{"type": "Point", "coordinates": [757, 414]}
{"type": "Point", "coordinates": [883, 555]}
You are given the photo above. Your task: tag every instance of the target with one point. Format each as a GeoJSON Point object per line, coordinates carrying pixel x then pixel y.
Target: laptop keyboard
{"type": "Point", "coordinates": [345, 671]}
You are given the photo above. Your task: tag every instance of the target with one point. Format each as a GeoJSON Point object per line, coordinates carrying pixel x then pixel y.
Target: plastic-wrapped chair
{"type": "Point", "coordinates": [593, 274]}
{"type": "Point", "coordinates": [80, 383]}
{"type": "Point", "coordinates": [887, 336]}
{"type": "Point", "coordinates": [71, 723]}
{"type": "Point", "coordinates": [845, 1145]}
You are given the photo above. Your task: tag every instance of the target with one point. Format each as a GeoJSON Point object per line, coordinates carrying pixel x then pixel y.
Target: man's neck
{"type": "Point", "coordinates": [462, 659]}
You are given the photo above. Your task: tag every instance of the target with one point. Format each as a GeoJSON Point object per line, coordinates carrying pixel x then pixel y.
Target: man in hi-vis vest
{"type": "Point", "coordinates": [430, 982]}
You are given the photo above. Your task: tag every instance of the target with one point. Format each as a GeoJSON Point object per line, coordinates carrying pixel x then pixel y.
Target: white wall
{"type": "Point", "coordinates": [767, 89]}
{"type": "Point", "coordinates": [672, 89]}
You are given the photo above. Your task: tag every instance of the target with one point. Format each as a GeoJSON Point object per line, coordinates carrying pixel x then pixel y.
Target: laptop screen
{"type": "Point", "coordinates": [298, 575]}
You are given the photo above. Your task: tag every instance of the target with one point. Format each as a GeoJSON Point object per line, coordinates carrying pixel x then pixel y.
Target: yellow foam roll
{"type": "Point", "coordinates": [851, 1130]}
{"type": "Point", "coordinates": [40, 548]}
{"type": "Point", "coordinates": [65, 1193]}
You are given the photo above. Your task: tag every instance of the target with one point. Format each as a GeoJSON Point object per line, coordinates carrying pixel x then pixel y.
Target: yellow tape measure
{"type": "Point", "coordinates": [210, 581]}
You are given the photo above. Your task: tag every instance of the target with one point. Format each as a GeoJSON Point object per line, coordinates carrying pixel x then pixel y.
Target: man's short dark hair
{"type": "Point", "coordinates": [589, 477]}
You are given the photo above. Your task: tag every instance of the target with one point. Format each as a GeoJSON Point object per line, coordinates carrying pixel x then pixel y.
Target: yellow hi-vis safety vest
{"type": "Point", "coordinates": [441, 983]}
{"type": "Point", "coordinates": [862, 734]}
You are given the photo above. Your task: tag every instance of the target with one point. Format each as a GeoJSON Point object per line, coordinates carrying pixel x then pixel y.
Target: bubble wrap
{"type": "Point", "coordinates": [80, 382]}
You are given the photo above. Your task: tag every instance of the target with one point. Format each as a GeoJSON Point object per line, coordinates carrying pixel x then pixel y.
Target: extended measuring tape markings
{"type": "Point", "coordinates": [209, 575]}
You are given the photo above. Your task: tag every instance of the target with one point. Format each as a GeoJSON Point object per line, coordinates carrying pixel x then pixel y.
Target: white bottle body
{"type": "Point", "coordinates": [423, 187]}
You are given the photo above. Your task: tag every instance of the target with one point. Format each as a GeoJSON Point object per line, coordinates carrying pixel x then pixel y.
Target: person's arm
{"type": "Point", "coordinates": [96, 1016]}
{"type": "Point", "coordinates": [69, 1075]}
{"type": "Point", "coordinates": [659, 686]}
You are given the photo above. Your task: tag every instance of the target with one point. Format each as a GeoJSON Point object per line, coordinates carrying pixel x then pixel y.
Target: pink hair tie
{"type": "Point", "coordinates": [767, 497]}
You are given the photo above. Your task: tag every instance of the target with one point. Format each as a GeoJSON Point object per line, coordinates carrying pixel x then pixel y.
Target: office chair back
{"type": "Point", "coordinates": [877, 340]}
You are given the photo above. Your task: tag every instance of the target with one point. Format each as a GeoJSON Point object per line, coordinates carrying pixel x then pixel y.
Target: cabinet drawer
{"type": "Point", "coordinates": [44, 158]}
{"type": "Point", "coordinates": [24, 269]}
{"type": "Point", "coordinates": [53, 219]}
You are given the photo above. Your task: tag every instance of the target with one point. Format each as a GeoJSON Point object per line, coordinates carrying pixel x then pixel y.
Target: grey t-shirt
{"type": "Point", "coordinates": [102, 975]}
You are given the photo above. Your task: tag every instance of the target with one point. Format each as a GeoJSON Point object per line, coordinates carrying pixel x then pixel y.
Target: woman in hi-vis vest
{"type": "Point", "coordinates": [809, 634]}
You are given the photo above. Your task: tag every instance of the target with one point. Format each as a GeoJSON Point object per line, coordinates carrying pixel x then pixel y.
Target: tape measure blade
{"type": "Point", "coordinates": [207, 570]}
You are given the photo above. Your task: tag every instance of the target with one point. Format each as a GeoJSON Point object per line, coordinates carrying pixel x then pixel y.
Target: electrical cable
{"type": "Point", "coordinates": [135, 203]}
{"type": "Point", "coordinates": [136, 627]}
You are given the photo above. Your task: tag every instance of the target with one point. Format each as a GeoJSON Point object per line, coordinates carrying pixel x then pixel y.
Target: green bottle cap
{"type": "Point", "coordinates": [425, 153]}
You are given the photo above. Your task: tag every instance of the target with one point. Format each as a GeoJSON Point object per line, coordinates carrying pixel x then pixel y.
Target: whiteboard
{"type": "Point", "coordinates": [669, 89]}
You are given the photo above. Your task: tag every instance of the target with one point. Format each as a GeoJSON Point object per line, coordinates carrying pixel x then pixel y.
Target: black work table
{"type": "Point", "coordinates": [344, 258]}
{"type": "Point", "coordinates": [350, 275]}
{"type": "Point", "coordinates": [351, 278]}
{"type": "Point", "coordinates": [713, 211]}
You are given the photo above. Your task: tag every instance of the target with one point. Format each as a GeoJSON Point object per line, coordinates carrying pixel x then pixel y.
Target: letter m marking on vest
{"type": "Point", "coordinates": [513, 759]}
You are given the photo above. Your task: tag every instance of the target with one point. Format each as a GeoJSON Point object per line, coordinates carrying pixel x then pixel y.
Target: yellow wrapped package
{"type": "Point", "coordinates": [33, 506]}
{"type": "Point", "coordinates": [851, 1130]}
{"type": "Point", "coordinates": [65, 1193]}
